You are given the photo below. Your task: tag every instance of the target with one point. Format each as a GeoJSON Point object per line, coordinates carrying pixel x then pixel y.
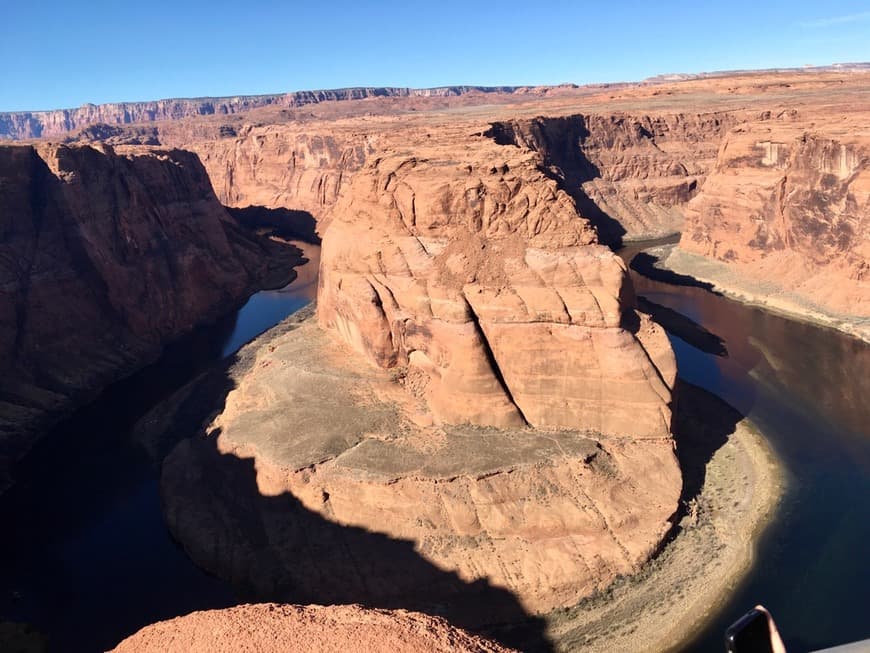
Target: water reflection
{"type": "Point", "coordinates": [85, 555]}
{"type": "Point", "coordinates": [806, 388]}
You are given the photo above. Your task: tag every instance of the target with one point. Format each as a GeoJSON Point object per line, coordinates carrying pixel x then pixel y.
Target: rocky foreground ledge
{"type": "Point", "coordinates": [272, 628]}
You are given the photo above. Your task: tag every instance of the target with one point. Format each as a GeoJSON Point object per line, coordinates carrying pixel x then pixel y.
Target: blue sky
{"type": "Point", "coordinates": [64, 53]}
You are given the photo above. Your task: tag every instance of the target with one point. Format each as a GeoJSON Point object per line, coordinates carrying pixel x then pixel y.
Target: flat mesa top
{"type": "Point", "coordinates": [831, 95]}
{"type": "Point", "coordinates": [329, 410]}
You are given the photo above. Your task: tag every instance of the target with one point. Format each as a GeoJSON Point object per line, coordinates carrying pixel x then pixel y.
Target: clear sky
{"type": "Point", "coordinates": [63, 53]}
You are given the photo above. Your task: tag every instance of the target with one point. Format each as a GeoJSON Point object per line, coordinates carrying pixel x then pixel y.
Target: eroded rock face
{"type": "Point", "coordinates": [104, 257]}
{"type": "Point", "coordinates": [791, 208]}
{"type": "Point", "coordinates": [505, 445]}
{"type": "Point", "coordinates": [37, 124]}
{"type": "Point", "coordinates": [475, 277]}
{"type": "Point", "coordinates": [630, 174]}
{"type": "Point", "coordinates": [321, 481]}
{"type": "Point", "coordinates": [275, 628]}
{"type": "Point", "coordinates": [274, 167]}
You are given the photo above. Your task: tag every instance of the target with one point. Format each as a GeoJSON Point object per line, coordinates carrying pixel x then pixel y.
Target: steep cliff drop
{"type": "Point", "coordinates": [506, 450]}
{"type": "Point", "coordinates": [784, 219]}
{"type": "Point", "coordinates": [104, 257]}
{"type": "Point", "coordinates": [630, 175]}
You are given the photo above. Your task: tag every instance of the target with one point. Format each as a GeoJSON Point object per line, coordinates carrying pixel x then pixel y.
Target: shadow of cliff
{"type": "Point", "coordinates": [559, 140]}
{"type": "Point", "coordinates": [645, 264]}
{"type": "Point", "coordinates": [290, 224]}
{"type": "Point", "coordinates": [702, 424]}
{"type": "Point", "coordinates": [683, 327]}
{"type": "Point", "coordinates": [272, 548]}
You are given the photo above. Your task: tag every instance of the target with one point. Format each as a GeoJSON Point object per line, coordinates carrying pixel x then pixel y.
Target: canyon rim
{"type": "Point", "coordinates": [477, 418]}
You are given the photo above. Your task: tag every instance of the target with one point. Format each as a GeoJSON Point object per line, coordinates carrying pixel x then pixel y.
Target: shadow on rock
{"type": "Point", "coordinates": [702, 424]}
{"type": "Point", "coordinates": [559, 141]}
{"type": "Point", "coordinates": [273, 548]}
{"type": "Point", "coordinates": [290, 224]}
{"type": "Point", "coordinates": [645, 264]}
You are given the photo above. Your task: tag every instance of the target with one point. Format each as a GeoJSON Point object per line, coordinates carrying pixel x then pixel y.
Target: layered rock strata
{"type": "Point", "coordinates": [320, 481]}
{"type": "Point", "coordinates": [274, 167]}
{"type": "Point", "coordinates": [272, 628]}
{"type": "Point", "coordinates": [506, 450]}
{"type": "Point", "coordinates": [787, 212]}
{"type": "Point", "coordinates": [60, 122]}
{"type": "Point", "coordinates": [471, 271]}
{"type": "Point", "coordinates": [103, 258]}
{"type": "Point", "coordinates": [632, 175]}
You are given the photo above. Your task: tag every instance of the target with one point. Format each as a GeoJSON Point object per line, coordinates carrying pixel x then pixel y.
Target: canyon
{"type": "Point", "coordinates": [475, 421]}
{"type": "Point", "coordinates": [786, 214]}
{"type": "Point", "coordinates": [58, 122]}
{"type": "Point", "coordinates": [104, 257]}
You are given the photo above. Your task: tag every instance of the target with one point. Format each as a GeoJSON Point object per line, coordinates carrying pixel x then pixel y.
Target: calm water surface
{"type": "Point", "coordinates": [808, 390]}
{"type": "Point", "coordinates": [85, 555]}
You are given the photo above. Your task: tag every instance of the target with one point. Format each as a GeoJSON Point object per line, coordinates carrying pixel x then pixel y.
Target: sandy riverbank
{"type": "Point", "coordinates": [727, 281]}
{"type": "Point", "coordinates": [671, 599]}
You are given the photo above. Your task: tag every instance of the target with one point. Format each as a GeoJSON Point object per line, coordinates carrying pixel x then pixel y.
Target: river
{"type": "Point", "coordinates": [86, 558]}
{"type": "Point", "coordinates": [807, 389]}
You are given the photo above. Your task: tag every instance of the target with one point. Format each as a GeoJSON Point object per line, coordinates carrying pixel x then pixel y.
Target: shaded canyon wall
{"type": "Point", "coordinates": [103, 258]}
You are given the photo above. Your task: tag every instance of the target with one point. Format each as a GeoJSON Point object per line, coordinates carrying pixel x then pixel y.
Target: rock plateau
{"type": "Point", "coordinates": [505, 452]}
{"type": "Point", "coordinates": [476, 422]}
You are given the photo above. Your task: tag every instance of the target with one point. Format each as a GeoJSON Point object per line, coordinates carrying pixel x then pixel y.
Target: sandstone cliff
{"type": "Point", "coordinates": [631, 175]}
{"type": "Point", "coordinates": [324, 480]}
{"type": "Point", "coordinates": [55, 123]}
{"type": "Point", "coordinates": [505, 450]}
{"type": "Point", "coordinates": [103, 258]}
{"type": "Point", "coordinates": [787, 210]}
{"type": "Point", "coordinates": [273, 628]}
{"type": "Point", "coordinates": [273, 166]}
{"type": "Point", "coordinates": [471, 269]}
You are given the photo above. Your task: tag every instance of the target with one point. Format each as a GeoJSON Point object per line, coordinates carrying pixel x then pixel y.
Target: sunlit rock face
{"type": "Point", "coordinates": [477, 416]}
{"type": "Point", "coordinates": [790, 207]}
{"type": "Point", "coordinates": [473, 273]}
{"type": "Point", "coordinates": [276, 628]}
{"type": "Point", "coordinates": [632, 174]}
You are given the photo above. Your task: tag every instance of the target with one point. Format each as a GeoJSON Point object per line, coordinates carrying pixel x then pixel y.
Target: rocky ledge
{"type": "Point", "coordinates": [272, 628]}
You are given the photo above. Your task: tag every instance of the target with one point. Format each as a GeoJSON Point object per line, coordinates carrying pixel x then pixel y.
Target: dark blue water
{"type": "Point", "coordinates": [808, 390]}
{"type": "Point", "coordinates": [84, 553]}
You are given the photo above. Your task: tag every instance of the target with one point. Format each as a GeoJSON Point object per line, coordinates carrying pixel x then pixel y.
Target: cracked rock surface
{"type": "Point", "coordinates": [319, 482]}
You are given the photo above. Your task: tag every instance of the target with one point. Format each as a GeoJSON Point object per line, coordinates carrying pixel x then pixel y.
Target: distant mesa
{"type": "Point", "coordinates": [60, 122]}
